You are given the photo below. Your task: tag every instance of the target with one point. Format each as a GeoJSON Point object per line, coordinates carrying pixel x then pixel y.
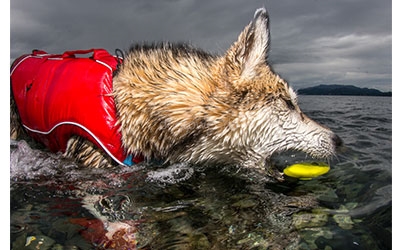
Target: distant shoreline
{"type": "Point", "coordinates": [346, 90]}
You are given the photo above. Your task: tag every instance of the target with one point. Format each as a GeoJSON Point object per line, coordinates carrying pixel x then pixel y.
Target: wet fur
{"type": "Point", "coordinates": [178, 103]}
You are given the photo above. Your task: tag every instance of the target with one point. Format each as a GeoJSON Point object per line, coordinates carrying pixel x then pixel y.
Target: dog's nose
{"type": "Point", "coordinates": [337, 141]}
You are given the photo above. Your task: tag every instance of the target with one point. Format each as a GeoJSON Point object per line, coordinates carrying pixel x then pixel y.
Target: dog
{"type": "Point", "coordinates": [177, 103]}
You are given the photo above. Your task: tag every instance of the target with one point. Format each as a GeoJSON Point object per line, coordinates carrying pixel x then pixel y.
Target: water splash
{"type": "Point", "coordinates": [27, 163]}
{"type": "Point", "coordinates": [173, 174]}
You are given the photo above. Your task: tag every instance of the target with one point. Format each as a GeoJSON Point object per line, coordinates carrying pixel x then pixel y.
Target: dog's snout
{"type": "Point", "coordinates": [337, 141]}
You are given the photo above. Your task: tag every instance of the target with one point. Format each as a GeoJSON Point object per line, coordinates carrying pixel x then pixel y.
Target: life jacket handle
{"type": "Point", "coordinates": [97, 53]}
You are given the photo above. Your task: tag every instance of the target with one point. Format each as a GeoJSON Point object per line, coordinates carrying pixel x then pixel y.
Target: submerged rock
{"type": "Point", "coordinates": [343, 220]}
{"type": "Point", "coordinates": [309, 220]}
{"type": "Point", "coordinates": [33, 242]}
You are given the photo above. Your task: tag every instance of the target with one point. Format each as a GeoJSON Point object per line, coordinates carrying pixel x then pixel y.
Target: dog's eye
{"type": "Point", "coordinates": [290, 104]}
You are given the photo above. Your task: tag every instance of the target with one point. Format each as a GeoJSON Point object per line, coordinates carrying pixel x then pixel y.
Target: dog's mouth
{"type": "Point", "coordinates": [275, 165]}
{"type": "Point", "coordinates": [306, 161]}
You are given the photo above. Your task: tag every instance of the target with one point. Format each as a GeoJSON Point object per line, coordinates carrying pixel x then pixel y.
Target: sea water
{"type": "Point", "coordinates": [56, 204]}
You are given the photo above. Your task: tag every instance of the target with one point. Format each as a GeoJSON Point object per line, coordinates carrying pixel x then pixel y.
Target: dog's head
{"type": "Point", "coordinates": [256, 113]}
{"type": "Point", "coordinates": [232, 109]}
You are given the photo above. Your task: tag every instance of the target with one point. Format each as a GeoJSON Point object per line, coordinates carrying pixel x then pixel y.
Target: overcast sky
{"type": "Point", "coordinates": [312, 41]}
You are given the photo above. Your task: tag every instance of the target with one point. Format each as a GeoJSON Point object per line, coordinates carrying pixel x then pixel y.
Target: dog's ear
{"type": "Point", "coordinates": [251, 48]}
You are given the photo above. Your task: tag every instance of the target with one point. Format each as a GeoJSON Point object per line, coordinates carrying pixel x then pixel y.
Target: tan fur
{"type": "Point", "coordinates": [86, 153]}
{"type": "Point", "coordinates": [156, 106]}
{"type": "Point", "coordinates": [16, 130]}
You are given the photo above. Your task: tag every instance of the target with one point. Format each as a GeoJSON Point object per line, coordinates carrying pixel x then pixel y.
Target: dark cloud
{"type": "Point", "coordinates": [312, 41]}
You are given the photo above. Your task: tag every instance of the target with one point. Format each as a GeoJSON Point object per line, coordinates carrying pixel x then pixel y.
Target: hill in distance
{"type": "Point", "coordinates": [335, 89]}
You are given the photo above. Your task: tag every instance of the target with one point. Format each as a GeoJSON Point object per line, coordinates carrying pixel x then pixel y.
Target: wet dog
{"type": "Point", "coordinates": [181, 104]}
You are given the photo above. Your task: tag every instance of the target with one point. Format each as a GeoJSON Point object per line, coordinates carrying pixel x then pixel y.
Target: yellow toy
{"type": "Point", "coordinates": [306, 170]}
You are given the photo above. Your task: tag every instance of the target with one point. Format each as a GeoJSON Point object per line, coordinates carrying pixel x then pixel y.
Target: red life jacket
{"type": "Point", "coordinates": [59, 96]}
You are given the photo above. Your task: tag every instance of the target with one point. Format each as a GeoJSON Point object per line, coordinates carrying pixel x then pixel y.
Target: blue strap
{"type": "Point", "coordinates": [129, 161]}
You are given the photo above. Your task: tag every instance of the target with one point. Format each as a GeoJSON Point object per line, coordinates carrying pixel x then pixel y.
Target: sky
{"type": "Point", "coordinates": [312, 41]}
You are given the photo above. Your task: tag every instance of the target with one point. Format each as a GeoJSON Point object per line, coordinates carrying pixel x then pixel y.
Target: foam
{"type": "Point", "coordinates": [33, 164]}
{"type": "Point", "coordinates": [171, 175]}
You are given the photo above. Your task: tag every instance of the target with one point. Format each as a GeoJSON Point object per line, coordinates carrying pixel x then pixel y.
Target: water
{"type": "Point", "coordinates": [192, 207]}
